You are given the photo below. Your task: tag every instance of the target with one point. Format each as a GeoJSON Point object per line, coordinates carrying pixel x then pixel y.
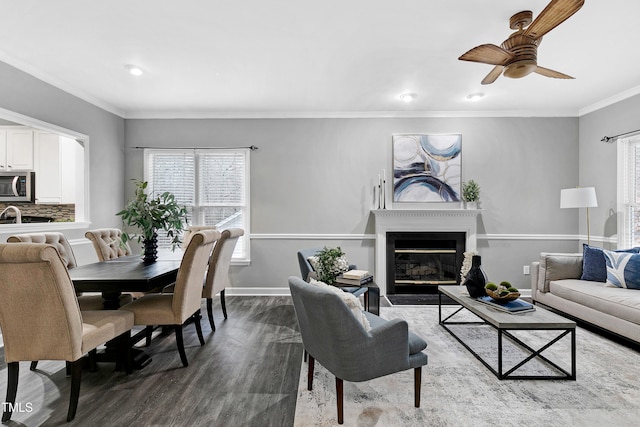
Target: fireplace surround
{"type": "Point", "coordinates": [420, 221]}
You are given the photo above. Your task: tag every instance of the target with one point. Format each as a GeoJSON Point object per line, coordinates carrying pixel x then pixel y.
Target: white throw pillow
{"type": "Point", "coordinates": [351, 300]}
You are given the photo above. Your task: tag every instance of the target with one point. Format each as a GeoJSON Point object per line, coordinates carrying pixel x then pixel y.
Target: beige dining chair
{"type": "Point", "coordinates": [186, 236]}
{"type": "Point", "coordinates": [60, 242]}
{"type": "Point", "coordinates": [175, 309]}
{"type": "Point", "coordinates": [107, 243]}
{"type": "Point", "coordinates": [41, 320]}
{"type": "Point", "coordinates": [218, 273]}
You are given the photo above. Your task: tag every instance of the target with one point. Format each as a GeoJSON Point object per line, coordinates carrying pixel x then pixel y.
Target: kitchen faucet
{"type": "Point", "coordinates": [16, 210]}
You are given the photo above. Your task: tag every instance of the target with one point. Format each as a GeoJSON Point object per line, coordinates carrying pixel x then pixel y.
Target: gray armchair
{"type": "Point", "coordinates": [333, 336]}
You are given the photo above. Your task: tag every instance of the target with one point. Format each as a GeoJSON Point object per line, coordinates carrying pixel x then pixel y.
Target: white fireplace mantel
{"type": "Point", "coordinates": [423, 220]}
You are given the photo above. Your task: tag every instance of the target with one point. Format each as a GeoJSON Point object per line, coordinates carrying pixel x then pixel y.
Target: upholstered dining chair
{"type": "Point", "coordinates": [41, 320]}
{"type": "Point", "coordinates": [175, 309]}
{"type": "Point", "coordinates": [186, 236]}
{"type": "Point", "coordinates": [107, 243]}
{"type": "Point", "coordinates": [306, 270]}
{"type": "Point", "coordinates": [349, 346]}
{"type": "Point", "coordinates": [218, 273]}
{"type": "Point", "coordinates": [60, 242]}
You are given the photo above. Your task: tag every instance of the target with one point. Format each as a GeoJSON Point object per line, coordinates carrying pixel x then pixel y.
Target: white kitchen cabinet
{"type": "Point", "coordinates": [55, 158]}
{"type": "Point", "coordinates": [16, 149]}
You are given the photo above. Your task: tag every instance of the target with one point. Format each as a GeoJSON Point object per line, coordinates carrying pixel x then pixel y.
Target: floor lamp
{"type": "Point", "coordinates": [580, 197]}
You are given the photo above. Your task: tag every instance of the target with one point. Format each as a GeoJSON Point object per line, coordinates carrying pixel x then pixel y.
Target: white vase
{"type": "Point", "coordinates": [471, 205]}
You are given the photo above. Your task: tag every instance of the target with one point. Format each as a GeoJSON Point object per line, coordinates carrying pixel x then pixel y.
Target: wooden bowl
{"type": "Point", "coordinates": [502, 299]}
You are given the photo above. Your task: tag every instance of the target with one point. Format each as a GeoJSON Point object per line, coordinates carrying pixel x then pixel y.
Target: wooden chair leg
{"type": "Point", "coordinates": [210, 313]}
{"type": "Point", "coordinates": [93, 360]}
{"type": "Point", "coordinates": [180, 343]}
{"type": "Point", "coordinates": [124, 352]}
{"type": "Point", "coordinates": [148, 333]}
{"type": "Point", "coordinates": [34, 365]}
{"type": "Point", "coordinates": [13, 369]}
{"type": "Point", "coordinates": [339, 400]}
{"type": "Point", "coordinates": [417, 384]}
{"type": "Point", "coordinates": [76, 376]}
{"type": "Point", "coordinates": [224, 305]}
{"type": "Point", "coordinates": [310, 373]}
{"type": "Point", "coordinates": [196, 319]}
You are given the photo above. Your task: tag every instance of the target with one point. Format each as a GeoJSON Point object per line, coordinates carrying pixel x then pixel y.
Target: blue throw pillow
{"type": "Point", "coordinates": [594, 265]}
{"type": "Point", "coordinates": [623, 269]}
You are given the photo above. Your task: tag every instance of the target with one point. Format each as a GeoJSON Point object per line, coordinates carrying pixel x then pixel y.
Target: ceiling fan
{"type": "Point", "coordinates": [517, 56]}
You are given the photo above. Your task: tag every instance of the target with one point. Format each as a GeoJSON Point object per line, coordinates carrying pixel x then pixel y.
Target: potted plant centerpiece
{"type": "Point", "coordinates": [471, 194]}
{"type": "Point", "coordinates": [330, 263]}
{"type": "Point", "coordinates": [150, 214]}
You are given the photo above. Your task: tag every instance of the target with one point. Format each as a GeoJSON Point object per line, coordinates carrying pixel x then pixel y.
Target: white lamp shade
{"type": "Point", "coordinates": [580, 197]}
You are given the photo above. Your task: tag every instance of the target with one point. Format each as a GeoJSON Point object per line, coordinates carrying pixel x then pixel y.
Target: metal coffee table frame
{"type": "Point", "coordinates": [496, 320]}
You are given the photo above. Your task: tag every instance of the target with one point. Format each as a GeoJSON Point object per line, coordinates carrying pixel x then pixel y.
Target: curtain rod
{"type": "Point", "coordinates": [250, 147]}
{"type": "Point", "coordinates": [610, 139]}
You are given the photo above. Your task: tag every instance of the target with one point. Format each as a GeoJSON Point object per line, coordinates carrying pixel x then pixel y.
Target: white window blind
{"type": "Point", "coordinates": [628, 194]}
{"type": "Point", "coordinates": [212, 183]}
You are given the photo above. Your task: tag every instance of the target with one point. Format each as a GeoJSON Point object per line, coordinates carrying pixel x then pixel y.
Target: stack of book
{"type": "Point", "coordinates": [515, 306]}
{"type": "Point", "coordinates": [354, 278]}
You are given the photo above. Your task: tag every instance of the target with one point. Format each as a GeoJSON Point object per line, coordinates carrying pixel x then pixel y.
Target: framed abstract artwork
{"type": "Point", "coordinates": [427, 168]}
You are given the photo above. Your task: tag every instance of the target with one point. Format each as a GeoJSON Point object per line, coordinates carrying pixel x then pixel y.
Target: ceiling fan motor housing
{"type": "Point", "coordinates": [525, 50]}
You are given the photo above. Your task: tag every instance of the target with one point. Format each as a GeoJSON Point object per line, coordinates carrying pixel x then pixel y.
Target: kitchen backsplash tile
{"type": "Point", "coordinates": [59, 213]}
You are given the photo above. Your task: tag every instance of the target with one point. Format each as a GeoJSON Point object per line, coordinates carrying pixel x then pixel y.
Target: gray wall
{"type": "Point", "coordinates": [26, 95]}
{"type": "Point", "coordinates": [314, 177]}
{"type": "Point", "coordinates": [598, 162]}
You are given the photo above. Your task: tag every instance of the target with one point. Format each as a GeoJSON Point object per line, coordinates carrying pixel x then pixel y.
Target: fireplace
{"type": "Point", "coordinates": [418, 262]}
{"type": "Point", "coordinates": [389, 221]}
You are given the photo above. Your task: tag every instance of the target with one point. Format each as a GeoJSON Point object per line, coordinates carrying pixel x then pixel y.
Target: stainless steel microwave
{"type": "Point", "coordinates": [17, 187]}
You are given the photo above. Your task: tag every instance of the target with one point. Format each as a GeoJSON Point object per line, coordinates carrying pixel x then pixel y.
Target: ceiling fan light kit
{"type": "Point", "coordinates": [517, 56]}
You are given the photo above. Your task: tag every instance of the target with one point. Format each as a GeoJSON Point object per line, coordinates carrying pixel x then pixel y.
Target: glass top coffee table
{"type": "Point", "coordinates": [504, 323]}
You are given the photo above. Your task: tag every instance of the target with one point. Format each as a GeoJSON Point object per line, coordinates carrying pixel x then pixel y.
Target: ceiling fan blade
{"type": "Point", "coordinates": [488, 54]}
{"type": "Point", "coordinates": [493, 75]}
{"type": "Point", "coordinates": [556, 12]}
{"type": "Point", "coordinates": [551, 73]}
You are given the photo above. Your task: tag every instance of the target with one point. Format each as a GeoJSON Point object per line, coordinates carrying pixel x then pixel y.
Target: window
{"type": "Point", "coordinates": [628, 192]}
{"type": "Point", "coordinates": [212, 183]}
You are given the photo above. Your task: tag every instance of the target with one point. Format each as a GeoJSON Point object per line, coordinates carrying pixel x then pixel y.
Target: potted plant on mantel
{"type": "Point", "coordinates": [471, 194]}
{"type": "Point", "coordinates": [150, 214]}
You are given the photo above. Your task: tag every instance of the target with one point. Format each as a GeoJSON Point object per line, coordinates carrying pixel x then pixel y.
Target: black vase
{"type": "Point", "coordinates": [150, 249]}
{"type": "Point", "coordinates": [476, 279]}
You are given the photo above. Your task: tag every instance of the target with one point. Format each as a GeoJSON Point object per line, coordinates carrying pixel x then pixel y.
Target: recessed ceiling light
{"type": "Point", "coordinates": [475, 97]}
{"type": "Point", "coordinates": [134, 70]}
{"type": "Point", "coordinates": [408, 97]}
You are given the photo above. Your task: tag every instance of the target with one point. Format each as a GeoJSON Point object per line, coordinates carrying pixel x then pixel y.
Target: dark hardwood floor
{"type": "Point", "coordinates": [246, 374]}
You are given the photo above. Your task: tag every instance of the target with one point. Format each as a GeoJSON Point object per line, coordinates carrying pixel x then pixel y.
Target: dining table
{"type": "Point", "coordinates": [126, 274]}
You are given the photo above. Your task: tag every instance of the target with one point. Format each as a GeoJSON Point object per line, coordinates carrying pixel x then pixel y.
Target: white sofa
{"type": "Point", "coordinates": [555, 283]}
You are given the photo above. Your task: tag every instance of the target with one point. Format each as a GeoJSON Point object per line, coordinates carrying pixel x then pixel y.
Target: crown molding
{"type": "Point", "coordinates": [609, 101]}
{"type": "Point", "coordinates": [342, 114]}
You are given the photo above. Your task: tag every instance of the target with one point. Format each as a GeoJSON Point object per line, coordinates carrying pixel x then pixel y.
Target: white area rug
{"type": "Point", "coordinates": [457, 390]}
